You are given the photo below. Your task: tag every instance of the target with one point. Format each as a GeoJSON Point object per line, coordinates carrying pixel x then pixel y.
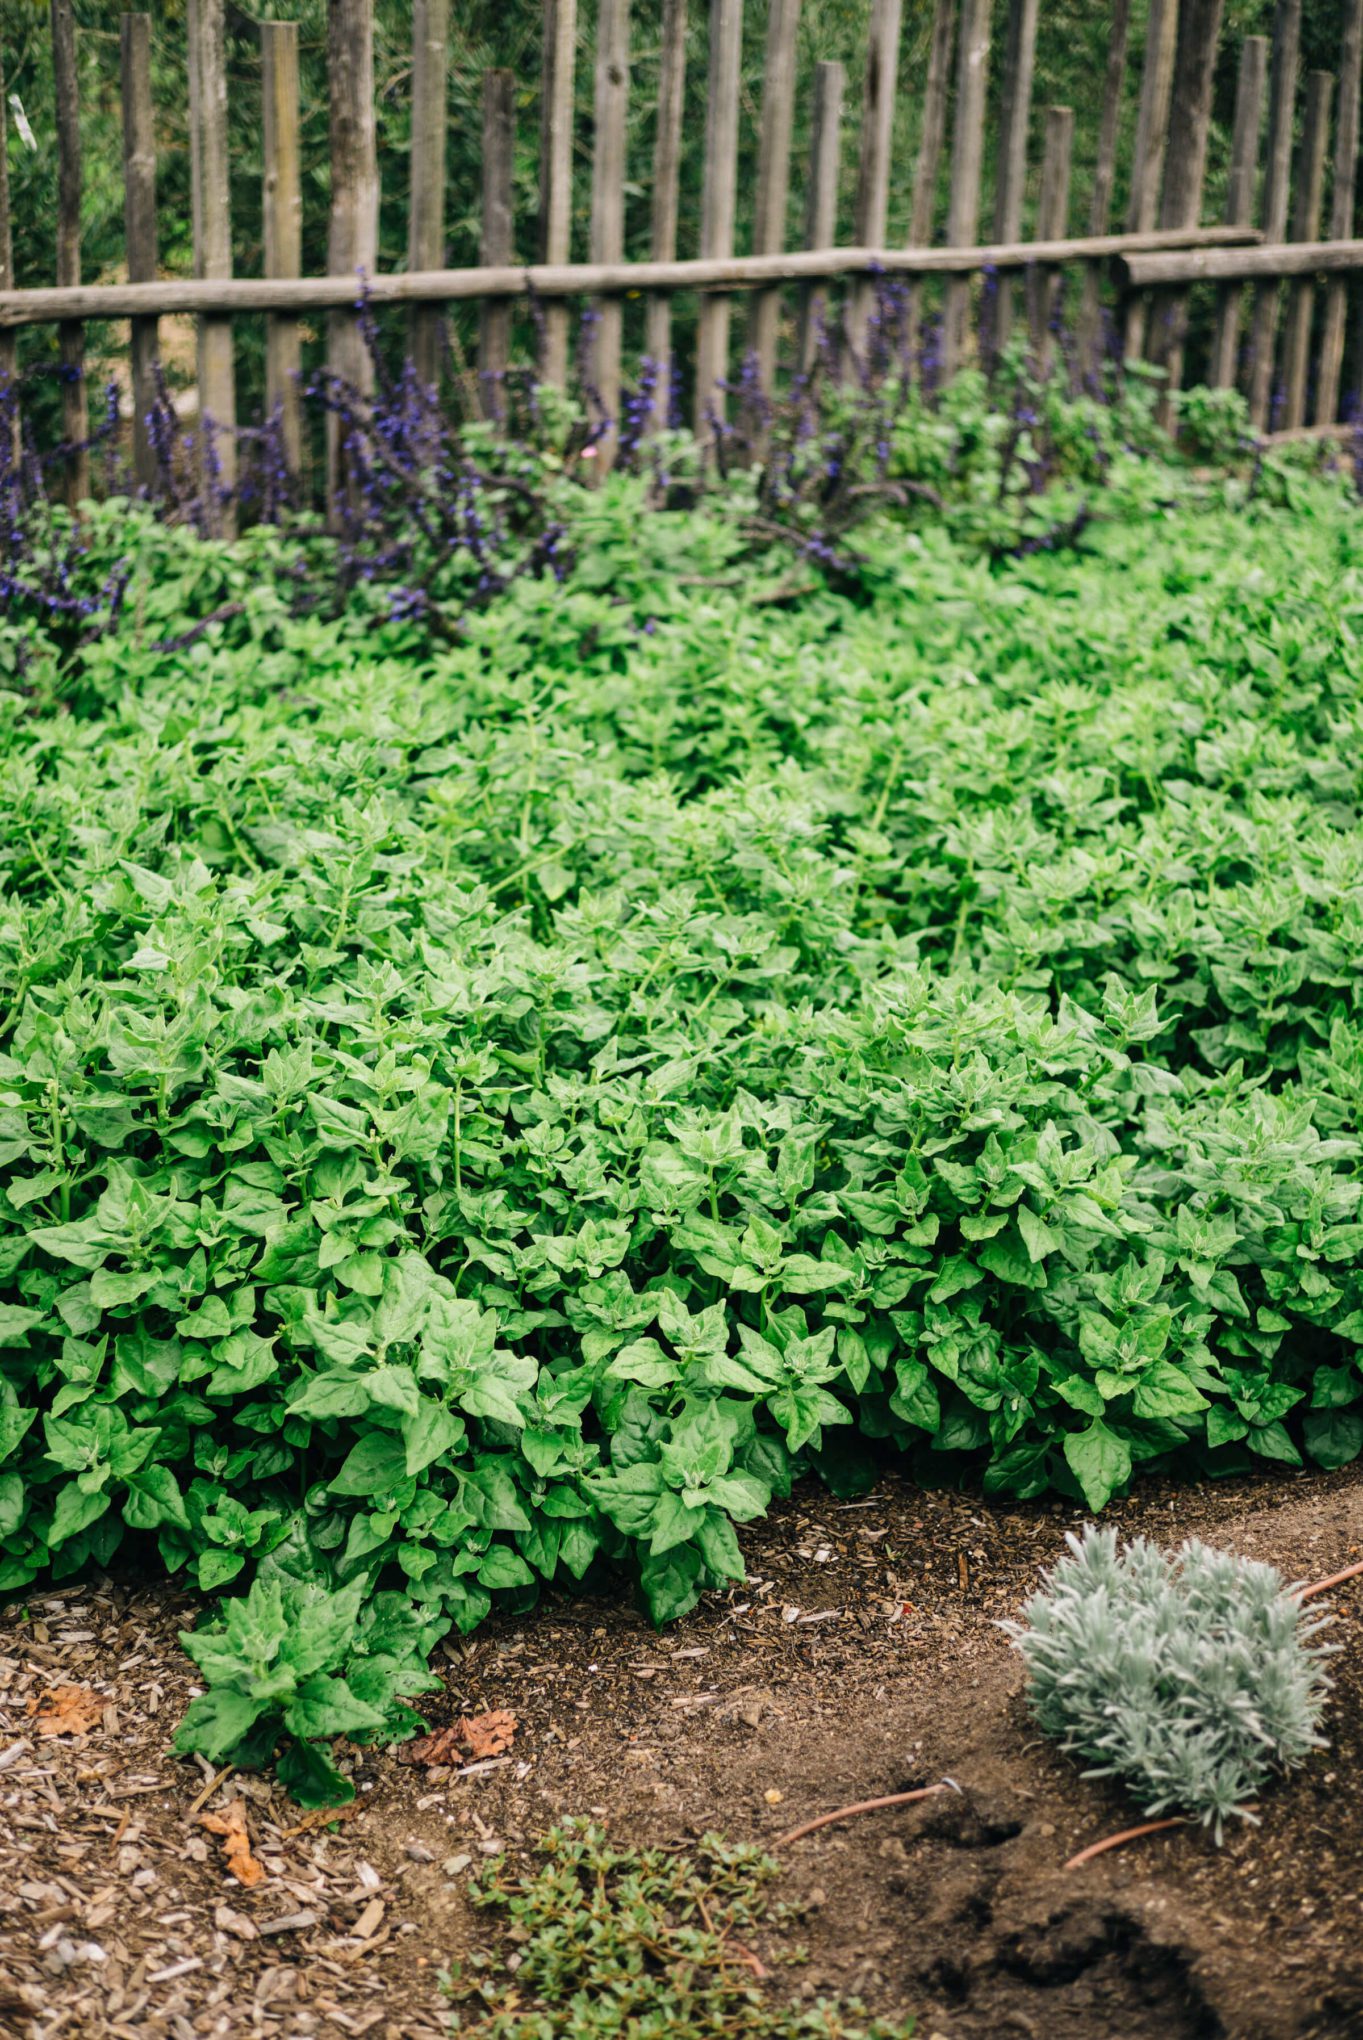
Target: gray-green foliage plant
{"type": "Point", "coordinates": [485, 1118]}
{"type": "Point", "coordinates": [1192, 1677]}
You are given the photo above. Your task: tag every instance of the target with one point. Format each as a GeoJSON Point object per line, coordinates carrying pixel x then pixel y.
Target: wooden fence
{"type": "Point", "coordinates": [1272, 229]}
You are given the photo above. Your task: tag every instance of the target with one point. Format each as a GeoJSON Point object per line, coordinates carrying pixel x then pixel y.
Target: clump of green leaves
{"type": "Point", "coordinates": [291, 1667]}
{"type": "Point", "coordinates": [608, 1941]}
{"type": "Point", "coordinates": [1192, 1677]}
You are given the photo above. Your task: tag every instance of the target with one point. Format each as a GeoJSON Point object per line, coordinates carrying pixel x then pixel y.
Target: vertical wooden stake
{"type": "Point", "coordinates": [666, 182]}
{"type": "Point", "coordinates": [1185, 169]}
{"type": "Point", "coordinates": [821, 202]}
{"type": "Point", "coordinates": [1310, 189]}
{"type": "Point", "coordinates": [497, 247]}
{"type": "Point", "coordinates": [213, 258]}
{"type": "Point", "coordinates": [1244, 160]}
{"type": "Point", "coordinates": [608, 210]}
{"type": "Point", "coordinates": [873, 165]}
{"type": "Point", "coordinates": [426, 190]}
{"type": "Point", "coordinates": [1090, 336]}
{"type": "Point", "coordinates": [1052, 224]}
{"type": "Point", "coordinates": [283, 213]}
{"type": "Point", "coordinates": [1147, 161]}
{"type": "Point", "coordinates": [1277, 190]}
{"type": "Point", "coordinates": [353, 227]}
{"type": "Point", "coordinates": [717, 206]}
{"type": "Point", "coordinates": [1015, 115]}
{"type": "Point", "coordinates": [139, 223]}
{"type": "Point", "coordinates": [773, 179]}
{"type": "Point", "coordinates": [926, 169]}
{"type": "Point", "coordinates": [967, 154]}
{"type": "Point", "coordinates": [1341, 214]}
{"type": "Point", "coordinates": [9, 353]}
{"type": "Point", "coordinates": [556, 173]}
{"type": "Point", "coordinates": [70, 334]}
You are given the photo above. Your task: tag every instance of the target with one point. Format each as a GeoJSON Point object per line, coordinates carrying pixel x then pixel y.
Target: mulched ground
{"type": "Point", "coordinates": [860, 1658]}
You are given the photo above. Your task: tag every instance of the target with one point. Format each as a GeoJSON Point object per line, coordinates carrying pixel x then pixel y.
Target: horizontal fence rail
{"type": "Point", "coordinates": [1227, 264]}
{"type": "Point", "coordinates": [582, 279]}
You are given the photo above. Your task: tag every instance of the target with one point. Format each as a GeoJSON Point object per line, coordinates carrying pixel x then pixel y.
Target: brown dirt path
{"type": "Point", "coordinates": [860, 1658]}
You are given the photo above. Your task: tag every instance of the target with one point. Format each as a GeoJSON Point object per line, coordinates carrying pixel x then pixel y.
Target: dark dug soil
{"type": "Point", "coordinates": [859, 1659]}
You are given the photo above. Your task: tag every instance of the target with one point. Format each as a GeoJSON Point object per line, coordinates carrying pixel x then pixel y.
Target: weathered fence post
{"type": "Point", "coordinates": [873, 162]}
{"type": "Point", "coordinates": [139, 223]}
{"type": "Point", "coordinates": [608, 210]}
{"type": "Point", "coordinates": [717, 206]}
{"type": "Point", "coordinates": [556, 172]}
{"type": "Point", "coordinates": [497, 247]}
{"type": "Point", "coordinates": [426, 190]}
{"type": "Point", "coordinates": [70, 334]}
{"type": "Point", "coordinates": [1104, 172]}
{"type": "Point", "coordinates": [1310, 190]}
{"type": "Point", "coordinates": [1341, 214]}
{"type": "Point", "coordinates": [1015, 114]}
{"type": "Point", "coordinates": [1244, 159]}
{"type": "Point", "coordinates": [1052, 222]}
{"type": "Point", "coordinates": [9, 351]}
{"type": "Point", "coordinates": [967, 153]}
{"type": "Point", "coordinates": [821, 202]}
{"type": "Point", "coordinates": [213, 259]}
{"type": "Point", "coordinates": [773, 179]}
{"type": "Point", "coordinates": [666, 184]}
{"type": "Point", "coordinates": [930, 141]}
{"type": "Point", "coordinates": [353, 227]}
{"type": "Point", "coordinates": [1147, 161]}
{"type": "Point", "coordinates": [1185, 169]}
{"type": "Point", "coordinates": [282, 205]}
{"type": "Point", "coordinates": [1277, 191]}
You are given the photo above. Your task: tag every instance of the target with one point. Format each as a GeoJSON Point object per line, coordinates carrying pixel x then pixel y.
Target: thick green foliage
{"type": "Point", "coordinates": [463, 1116]}
{"type": "Point", "coordinates": [617, 1944]}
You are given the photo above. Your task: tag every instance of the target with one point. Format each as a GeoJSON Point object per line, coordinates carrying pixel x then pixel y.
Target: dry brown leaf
{"type": "Point", "coordinates": [441, 1746]}
{"type": "Point", "coordinates": [487, 1735]}
{"type": "Point", "coordinates": [236, 1842]}
{"type": "Point", "coordinates": [66, 1710]}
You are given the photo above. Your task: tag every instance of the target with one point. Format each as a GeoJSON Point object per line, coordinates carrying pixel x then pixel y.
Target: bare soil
{"type": "Point", "coordinates": [860, 1658]}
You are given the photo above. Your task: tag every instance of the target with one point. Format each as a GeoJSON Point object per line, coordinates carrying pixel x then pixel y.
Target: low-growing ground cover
{"type": "Point", "coordinates": [474, 1114]}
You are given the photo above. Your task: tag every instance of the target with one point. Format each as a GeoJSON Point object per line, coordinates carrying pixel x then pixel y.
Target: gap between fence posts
{"type": "Point", "coordinates": [139, 225]}
{"type": "Point", "coordinates": [282, 208]}
{"type": "Point", "coordinates": [1015, 113]}
{"type": "Point", "coordinates": [1239, 209]}
{"type": "Point", "coordinates": [9, 346]}
{"type": "Point", "coordinates": [821, 204]}
{"type": "Point", "coordinates": [353, 226]}
{"type": "Point", "coordinates": [1341, 214]}
{"type": "Point", "coordinates": [213, 261]}
{"type": "Point", "coordinates": [1277, 192]}
{"type": "Point", "coordinates": [498, 237]}
{"type": "Point", "coordinates": [608, 214]}
{"type": "Point", "coordinates": [1147, 162]}
{"type": "Point", "coordinates": [1089, 324]}
{"type": "Point", "coordinates": [967, 153]}
{"type": "Point", "coordinates": [666, 186]}
{"type": "Point", "coordinates": [1310, 190]}
{"type": "Point", "coordinates": [717, 208]}
{"type": "Point", "coordinates": [557, 62]}
{"type": "Point", "coordinates": [426, 174]}
{"type": "Point", "coordinates": [930, 143]}
{"type": "Point", "coordinates": [70, 337]}
{"type": "Point", "coordinates": [1052, 219]}
{"type": "Point", "coordinates": [773, 181]}
{"type": "Point", "coordinates": [871, 208]}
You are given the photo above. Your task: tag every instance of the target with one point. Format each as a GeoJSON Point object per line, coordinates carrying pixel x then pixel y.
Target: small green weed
{"type": "Point", "coordinates": [644, 1943]}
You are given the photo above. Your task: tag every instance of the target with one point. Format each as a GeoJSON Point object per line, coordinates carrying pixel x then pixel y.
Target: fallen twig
{"type": "Point", "coordinates": [1335, 1580]}
{"type": "Point", "coordinates": [218, 1778]}
{"type": "Point", "coordinates": [1149, 1827]}
{"type": "Point", "coordinates": [860, 1806]}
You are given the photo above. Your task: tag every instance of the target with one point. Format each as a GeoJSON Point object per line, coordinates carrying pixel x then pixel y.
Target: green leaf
{"type": "Point", "coordinates": [1100, 1461]}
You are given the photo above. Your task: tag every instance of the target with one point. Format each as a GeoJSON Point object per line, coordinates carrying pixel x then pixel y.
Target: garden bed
{"type": "Point", "coordinates": [860, 1658]}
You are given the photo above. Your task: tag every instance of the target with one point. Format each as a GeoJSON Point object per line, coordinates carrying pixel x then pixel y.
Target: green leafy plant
{"type": "Point", "coordinates": [292, 1667]}
{"type": "Point", "coordinates": [615, 1941]}
{"type": "Point", "coordinates": [1192, 1677]}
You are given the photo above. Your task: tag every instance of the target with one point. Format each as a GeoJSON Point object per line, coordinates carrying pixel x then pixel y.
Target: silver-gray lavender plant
{"type": "Point", "coordinates": [1192, 1676]}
